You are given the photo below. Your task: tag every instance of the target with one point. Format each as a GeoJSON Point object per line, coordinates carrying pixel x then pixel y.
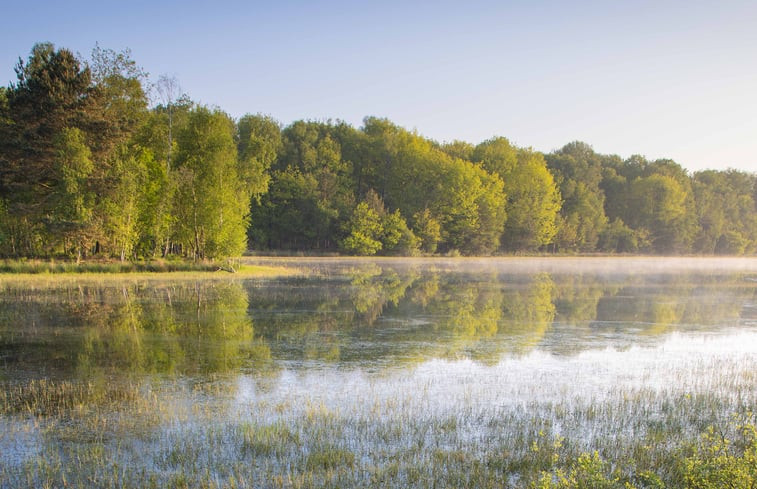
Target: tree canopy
{"type": "Point", "coordinates": [90, 166]}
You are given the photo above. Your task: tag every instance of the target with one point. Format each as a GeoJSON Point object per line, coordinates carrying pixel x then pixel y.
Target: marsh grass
{"type": "Point", "coordinates": [640, 438]}
{"type": "Point", "coordinates": [405, 433]}
{"type": "Point", "coordinates": [106, 266]}
{"type": "Point", "coordinates": [268, 440]}
{"type": "Point", "coordinates": [44, 397]}
{"type": "Point", "coordinates": [329, 458]}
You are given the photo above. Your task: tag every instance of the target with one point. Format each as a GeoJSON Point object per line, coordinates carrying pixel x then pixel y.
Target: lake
{"type": "Point", "coordinates": [379, 373]}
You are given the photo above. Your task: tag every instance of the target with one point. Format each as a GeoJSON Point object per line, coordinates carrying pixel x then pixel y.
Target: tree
{"type": "Point", "coordinates": [364, 231]}
{"type": "Point", "coordinates": [459, 149]}
{"type": "Point", "coordinates": [212, 203]}
{"type": "Point", "coordinates": [534, 202]}
{"type": "Point", "coordinates": [428, 230]}
{"type": "Point", "coordinates": [64, 125]}
{"type": "Point", "coordinates": [413, 175]}
{"type": "Point", "coordinates": [372, 229]}
{"type": "Point", "coordinates": [259, 144]}
{"type": "Point", "coordinates": [725, 211]}
{"type": "Point", "coordinates": [313, 158]}
{"type": "Point", "coordinates": [397, 238]}
{"type": "Point", "coordinates": [615, 188]}
{"type": "Point", "coordinates": [497, 156]}
{"type": "Point", "coordinates": [156, 217]}
{"type": "Point", "coordinates": [660, 205]}
{"type": "Point", "coordinates": [72, 213]}
{"type": "Point", "coordinates": [654, 199]}
{"type": "Point", "coordinates": [533, 199]}
{"type": "Point", "coordinates": [619, 238]}
{"type": "Point", "coordinates": [122, 185]}
{"type": "Point", "coordinates": [170, 91]}
{"type": "Point", "coordinates": [471, 206]}
{"type": "Point", "coordinates": [121, 102]}
{"type": "Point", "coordinates": [127, 207]}
{"type": "Point", "coordinates": [578, 172]}
{"type": "Point", "coordinates": [46, 114]}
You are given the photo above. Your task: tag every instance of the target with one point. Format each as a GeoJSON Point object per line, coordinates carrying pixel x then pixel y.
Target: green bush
{"type": "Point", "coordinates": [724, 458]}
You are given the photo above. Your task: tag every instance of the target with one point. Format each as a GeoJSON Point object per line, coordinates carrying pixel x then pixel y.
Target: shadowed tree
{"type": "Point", "coordinates": [49, 108]}
{"type": "Point", "coordinates": [578, 172]}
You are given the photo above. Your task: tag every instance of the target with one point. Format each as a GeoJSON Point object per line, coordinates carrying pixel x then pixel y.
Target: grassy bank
{"type": "Point", "coordinates": [109, 266]}
{"type": "Point", "coordinates": [24, 271]}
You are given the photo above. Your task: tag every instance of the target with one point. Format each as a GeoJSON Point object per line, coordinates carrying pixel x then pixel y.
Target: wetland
{"type": "Point", "coordinates": [573, 372]}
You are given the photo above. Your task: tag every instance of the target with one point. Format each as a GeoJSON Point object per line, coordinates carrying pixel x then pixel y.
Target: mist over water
{"type": "Point", "coordinates": [513, 264]}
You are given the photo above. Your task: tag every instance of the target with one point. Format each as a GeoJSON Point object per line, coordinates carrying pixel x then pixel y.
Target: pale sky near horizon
{"type": "Point", "coordinates": [665, 79]}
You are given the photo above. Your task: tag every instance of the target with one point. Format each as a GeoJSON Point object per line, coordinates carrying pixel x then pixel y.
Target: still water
{"type": "Point", "coordinates": [369, 361]}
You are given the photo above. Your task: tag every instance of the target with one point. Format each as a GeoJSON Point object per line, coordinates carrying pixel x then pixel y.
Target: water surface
{"type": "Point", "coordinates": [375, 359]}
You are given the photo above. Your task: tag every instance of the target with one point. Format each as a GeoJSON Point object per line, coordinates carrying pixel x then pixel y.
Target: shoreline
{"type": "Point", "coordinates": [273, 266]}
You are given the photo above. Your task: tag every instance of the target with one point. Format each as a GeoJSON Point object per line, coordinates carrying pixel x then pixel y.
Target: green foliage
{"type": "Point", "coordinates": [123, 207]}
{"type": "Point", "coordinates": [659, 204]}
{"type": "Point", "coordinates": [589, 471]}
{"type": "Point", "coordinates": [459, 149]}
{"type": "Point", "coordinates": [364, 231]}
{"type": "Point", "coordinates": [578, 171]}
{"type": "Point", "coordinates": [71, 216]}
{"type": "Point", "coordinates": [413, 175]}
{"type": "Point", "coordinates": [725, 210]}
{"type": "Point", "coordinates": [372, 229]}
{"type": "Point", "coordinates": [617, 237]}
{"type": "Point", "coordinates": [533, 199]}
{"type": "Point", "coordinates": [121, 99]}
{"type": "Point", "coordinates": [497, 155]}
{"type": "Point", "coordinates": [731, 243]}
{"type": "Point", "coordinates": [724, 458]}
{"type": "Point", "coordinates": [472, 208]}
{"type": "Point", "coordinates": [653, 198]}
{"type": "Point", "coordinates": [397, 237]}
{"type": "Point", "coordinates": [259, 144]}
{"type": "Point", "coordinates": [212, 201]}
{"type": "Point", "coordinates": [86, 168]}
{"type": "Point", "coordinates": [157, 220]}
{"type": "Point", "coordinates": [44, 140]}
{"type": "Point", "coordinates": [427, 229]}
{"type": "Point", "coordinates": [311, 192]}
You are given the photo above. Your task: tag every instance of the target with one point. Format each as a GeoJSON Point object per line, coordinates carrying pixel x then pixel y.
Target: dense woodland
{"type": "Point", "coordinates": [96, 161]}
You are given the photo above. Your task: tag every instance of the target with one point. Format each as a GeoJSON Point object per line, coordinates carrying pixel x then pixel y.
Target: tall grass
{"type": "Point", "coordinates": [100, 266]}
{"type": "Point", "coordinates": [179, 435]}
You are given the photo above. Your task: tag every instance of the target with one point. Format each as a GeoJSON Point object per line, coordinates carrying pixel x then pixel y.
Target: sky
{"type": "Point", "coordinates": [664, 79]}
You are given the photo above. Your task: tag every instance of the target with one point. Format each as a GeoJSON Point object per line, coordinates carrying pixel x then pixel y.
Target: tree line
{"type": "Point", "coordinates": [90, 167]}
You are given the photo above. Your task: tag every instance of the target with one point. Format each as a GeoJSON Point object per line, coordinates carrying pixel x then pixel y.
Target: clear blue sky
{"type": "Point", "coordinates": [662, 79]}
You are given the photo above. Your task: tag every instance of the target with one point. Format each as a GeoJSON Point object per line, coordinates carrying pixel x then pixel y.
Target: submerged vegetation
{"type": "Point", "coordinates": [91, 167]}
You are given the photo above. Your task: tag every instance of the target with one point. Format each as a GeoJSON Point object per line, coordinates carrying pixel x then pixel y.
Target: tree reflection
{"type": "Point", "coordinates": [530, 311]}
{"type": "Point", "coordinates": [367, 316]}
{"type": "Point", "coordinates": [168, 329]}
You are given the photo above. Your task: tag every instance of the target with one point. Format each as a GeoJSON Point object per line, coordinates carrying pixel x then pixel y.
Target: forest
{"type": "Point", "coordinates": [98, 161]}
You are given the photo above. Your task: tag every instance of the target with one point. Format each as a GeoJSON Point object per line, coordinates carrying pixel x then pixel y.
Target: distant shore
{"type": "Point", "coordinates": [560, 264]}
{"type": "Point", "coordinates": [281, 265]}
